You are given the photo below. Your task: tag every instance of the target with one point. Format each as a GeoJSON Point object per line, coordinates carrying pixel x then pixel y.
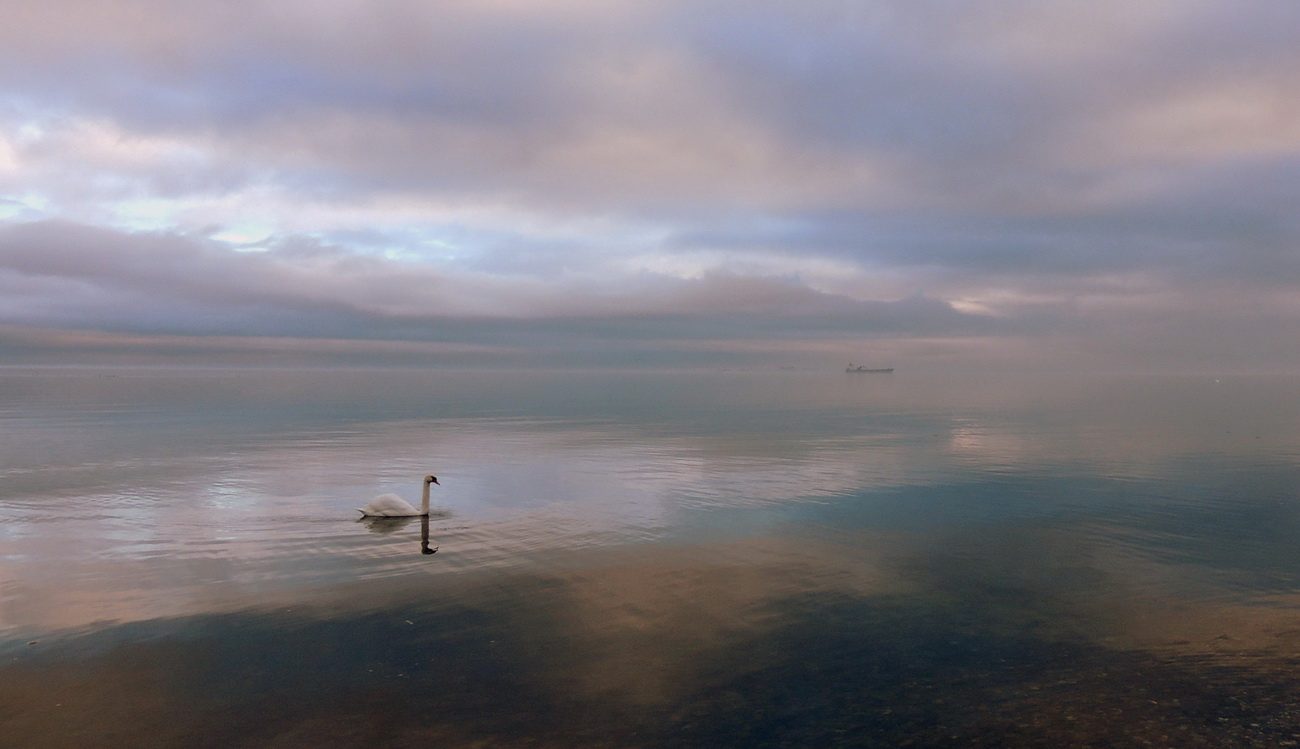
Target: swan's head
{"type": "Point", "coordinates": [431, 479]}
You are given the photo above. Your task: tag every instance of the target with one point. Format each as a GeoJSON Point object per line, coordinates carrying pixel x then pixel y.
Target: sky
{"type": "Point", "coordinates": [909, 183]}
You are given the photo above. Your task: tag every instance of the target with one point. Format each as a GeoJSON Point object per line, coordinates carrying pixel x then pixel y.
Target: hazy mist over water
{"type": "Point", "coordinates": [739, 558]}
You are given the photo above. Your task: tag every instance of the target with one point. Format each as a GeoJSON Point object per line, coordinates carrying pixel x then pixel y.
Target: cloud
{"type": "Point", "coordinates": [68, 275]}
{"type": "Point", "coordinates": [933, 169]}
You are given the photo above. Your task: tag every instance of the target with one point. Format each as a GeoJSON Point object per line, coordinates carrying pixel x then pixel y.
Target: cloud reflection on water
{"type": "Point", "coordinates": [251, 506]}
{"type": "Point", "coordinates": [734, 644]}
{"type": "Point", "coordinates": [657, 545]}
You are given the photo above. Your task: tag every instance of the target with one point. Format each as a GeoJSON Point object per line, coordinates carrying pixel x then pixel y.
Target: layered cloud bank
{"type": "Point", "coordinates": [626, 183]}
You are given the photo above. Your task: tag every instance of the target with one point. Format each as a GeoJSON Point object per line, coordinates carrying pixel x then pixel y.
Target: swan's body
{"type": "Point", "coordinates": [393, 506]}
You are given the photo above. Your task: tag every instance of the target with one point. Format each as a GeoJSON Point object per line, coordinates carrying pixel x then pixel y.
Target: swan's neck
{"type": "Point", "coordinates": [424, 499]}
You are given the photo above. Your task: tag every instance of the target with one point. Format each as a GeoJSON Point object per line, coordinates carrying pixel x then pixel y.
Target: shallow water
{"type": "Point", "coordinates": [660, 559]}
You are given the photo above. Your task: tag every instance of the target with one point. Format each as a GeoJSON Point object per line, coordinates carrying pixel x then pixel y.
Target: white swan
{"type": "Point", "coordinates": [393, 506]}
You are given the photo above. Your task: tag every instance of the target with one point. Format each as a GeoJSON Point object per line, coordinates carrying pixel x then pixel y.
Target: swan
{"type": "Point", "coordinates": [393, 506]}
{"type": "Point", "coordinates": [382, 526]}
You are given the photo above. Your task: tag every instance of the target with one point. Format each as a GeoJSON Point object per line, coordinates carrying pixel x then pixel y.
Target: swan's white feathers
{"type": "Point", "coordinates": [389, 506]}
{"type": "Point", "coordinates": [393, 506]}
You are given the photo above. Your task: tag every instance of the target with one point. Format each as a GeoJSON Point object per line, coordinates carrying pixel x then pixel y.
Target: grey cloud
{"type": "Point", "coordinates": [179, 284]}
{"type": "Point", "coordinates": [1200, 234]}
{"type": "Point", "coordinates": [402, 96]}
{"type": "Point", "coordinates": [163, 65]}
{"type": "Point", "coordinates": [876, 85]}
{"type": "Point", "coordinates": [1072, 167]}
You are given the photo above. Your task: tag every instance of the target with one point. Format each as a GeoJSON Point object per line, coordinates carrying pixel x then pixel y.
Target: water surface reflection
{"type": "Point", "coordinates": [685, 559]}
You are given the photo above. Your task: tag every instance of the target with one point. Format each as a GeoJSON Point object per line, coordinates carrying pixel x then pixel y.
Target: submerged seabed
{"type": "Point", "coordinates": [638, 559]}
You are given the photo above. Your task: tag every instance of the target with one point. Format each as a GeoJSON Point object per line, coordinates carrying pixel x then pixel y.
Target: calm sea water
{"type": "Point", "coordinates": [780, 558]}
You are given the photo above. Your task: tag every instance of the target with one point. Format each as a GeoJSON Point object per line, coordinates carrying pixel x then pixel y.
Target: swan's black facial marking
{"type": "Point", "coordinates": [433, 480]}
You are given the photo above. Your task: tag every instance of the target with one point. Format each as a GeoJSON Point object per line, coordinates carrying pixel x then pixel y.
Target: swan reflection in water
{"type": "Point", "coordinates": [387, 526]}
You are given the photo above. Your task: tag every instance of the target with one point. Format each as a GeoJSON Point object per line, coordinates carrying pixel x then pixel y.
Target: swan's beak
{"type": "Point", "coordinates": [435, 480]}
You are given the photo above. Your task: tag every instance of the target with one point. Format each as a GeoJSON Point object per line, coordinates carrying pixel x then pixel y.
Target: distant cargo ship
{"type": "Point", "coordinates": [884, 370]}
